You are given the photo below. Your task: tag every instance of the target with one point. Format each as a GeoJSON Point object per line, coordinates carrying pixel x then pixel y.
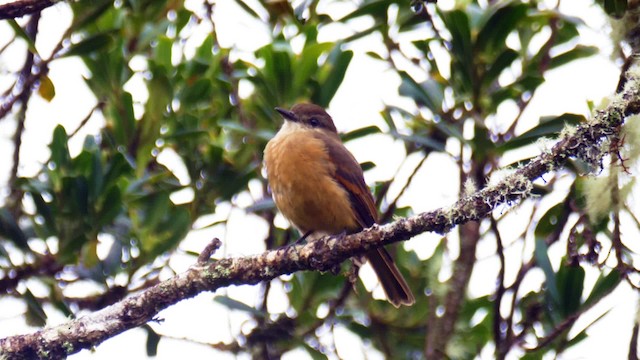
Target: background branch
{"type": "Point", "coordinates": [31, 30]}
{"type": "Point", "coordinates": [21, 8]}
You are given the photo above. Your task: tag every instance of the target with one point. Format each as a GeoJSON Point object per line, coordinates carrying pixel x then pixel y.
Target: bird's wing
{"type": "Point", "coordinates": [348, 174]}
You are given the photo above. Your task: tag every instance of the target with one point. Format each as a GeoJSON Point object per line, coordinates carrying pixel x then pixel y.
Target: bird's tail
{"type": "Point", "coordinates": [393, 283]}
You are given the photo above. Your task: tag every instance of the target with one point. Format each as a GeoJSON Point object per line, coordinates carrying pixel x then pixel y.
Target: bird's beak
{"type": "Point", "coordinates": [287, 115]}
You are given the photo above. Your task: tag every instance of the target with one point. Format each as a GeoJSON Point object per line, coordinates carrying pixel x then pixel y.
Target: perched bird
{"type": "Point", "coordinates": [319, 187]}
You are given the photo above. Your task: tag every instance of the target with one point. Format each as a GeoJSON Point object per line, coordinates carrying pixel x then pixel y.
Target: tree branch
{"type": "Point", "coordinates": [43, 265]}
{"type": "Point", "coordinates": [19, 8]}
{"type": "Point", "coordinates": [31, 29]}
{"type": "Point", "coordinates": [92, 329]}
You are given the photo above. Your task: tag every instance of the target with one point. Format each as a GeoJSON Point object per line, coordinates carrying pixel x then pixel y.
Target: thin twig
{"type": "Point", "coordinates": [557, 331]}
{"type": "Point", "coordinates": [5, 46]}
{"type": "Point", "coordinates": [501, 349]}
{"type": "Point", "coordinates": [209, 250]}
{"type": "Point", "coordinates": [633, 343]}
{"type": "Point", "coordinates": [19, 8]}
{"type": "Point", "coordinates": [44, 265]}
{"type": "Point", "coordinates": [388, 213]}
{"type": "Point", "coordinates": [86, 119]}
{"type": "Point", "coordinates": [26, 73]}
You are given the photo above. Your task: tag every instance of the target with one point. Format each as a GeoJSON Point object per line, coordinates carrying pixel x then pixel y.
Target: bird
{"type": "Point", "coordinates": [319, 186]}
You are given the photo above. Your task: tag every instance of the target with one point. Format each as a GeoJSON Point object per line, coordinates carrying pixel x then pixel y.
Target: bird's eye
{"type": "Point", "coordinates": [314, 122]}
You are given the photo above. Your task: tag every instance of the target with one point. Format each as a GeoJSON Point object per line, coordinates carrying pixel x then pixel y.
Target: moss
{"type": "Point", "coordinates": [597, 193]}
{"type": "Point", "coordinates": [68, 347]}
{"type": "Point", "coordinates": [631, 136]}
{"type": "Point", "coordinates": [470, 187]}
{"type": "Point", "coordinates": [43, 353]}
{"type": "Point", "coordinates": [568, 130]}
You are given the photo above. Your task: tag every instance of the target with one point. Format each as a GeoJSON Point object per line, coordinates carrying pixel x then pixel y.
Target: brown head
{"type": "Point", "coordinates": [309, 115]}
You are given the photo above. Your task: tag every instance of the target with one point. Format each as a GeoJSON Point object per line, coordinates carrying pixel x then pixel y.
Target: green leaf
{"type": "Point", "coordinates": [430, 93]}
{"type": "Point", "coordinates": [182, 19]}
{"type": "Point", "coordinates": [504, 60]}
{"type": "Point", "coordinates": [204, 53]}
{"type": "Point", "coordinates": [197, 92]}
{"type": "Point", "coordinates": [615, 8]}
{"type": "Point", "coordinates": [494, 32]}
{"type": "Point", "coordinates": [549, 221]}
{"type": "Point", "coordinates": [9, 229]}
{"type": "Point", "coordinates": [451, 130]}
{"type": "Point", "coordinates": [162, 52]}
{"type": "Point", "coordinates": [276, 73]}
{"type": "Point", "coordinates": [116, 168]}
{"type": "Point", "coordinates": [233, 304]}
{"type": "Point", "coordinates": [162, 89]}
{"type": "Point", "coordinates": [339, 61]}
{"type": "Point", "coordinates": [89, 45]}
{"type": "Point", "coordinates": [313, 286]}
{"type": "Point", "coordinates": [35, 314]}
{"type": "Point", "coordinates": [548, 126]}
{"type": "Point", "coordinates": [377, 9]}
{"type": "Point", "coordinates": [153, 339]}
{"type": "Point", "coordinates": [59, 148]}
{"type": "Point", "coordinates": [258, 206]}
{"type": "Point", "coordinates": [603, 286]}
{"type": "Point", "coordinates": [583, 334]}
{"type": "Point", "coordinates": [166, 235]}
{"type": "Point", "coordinates": [386, 116]}
{"type": "Point", "coordinates": [423, 141]}
{"type": "Point", "coordinates": [314, 353]}
{"type": "Point", "coordinates": [3, 252]}
{"type": "Point", "coordinates": [362, 132]}
{"type": "Point", "coordinates": [580, 51]}
{"type": "Point", "coordinates": [528, 82]}
{"type": "Point", "coordinates": [570, 285]}
{"type": "Point", "coordinates": [95, 176]}
{"type": "Point", "coordinates": [367, 165]}
{"type": "Point", "coordinates": [59, 304]}
{"type": "Point", "coordinates": [23, 35]}
{"type": "Point", "coordinates": [457, 22]}
{"type": "Point", "coordinates": [110, 206]}
{"type": "Point", "coordinates": [248, 9]}
{"type": "Point", "coordinates": [503, 94]}
{"type": "Point", "coordinates": [156, 207]}
{"type": "Point", "coordinates": [125, 123]}
{"type": "Point", "coordinates": [235, 126]}
{"type": "Point", "coordinates": [481, 142]}
{"type": "Point", "coordinates": [88, 12]}
{"type": "Point", "coordinates": [542, 259]}
{"type": "Point", "coordinates": [567, 31]}
{"type": "Point", "coordinates": [307, 66]}
{"type": "Point", "coordinates": [76, 194]}
{"type": "Point", "coordinates": [375, 55]}
{"type": "Point", "coordinates": [43, 209]}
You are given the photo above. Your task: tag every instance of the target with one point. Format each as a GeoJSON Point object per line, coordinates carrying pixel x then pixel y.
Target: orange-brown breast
{"type": "Point", "coordinates": [300, 175]}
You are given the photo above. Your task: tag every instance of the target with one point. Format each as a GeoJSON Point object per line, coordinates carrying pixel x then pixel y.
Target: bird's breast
{"type": "Point", "coordinates": [300, 174]}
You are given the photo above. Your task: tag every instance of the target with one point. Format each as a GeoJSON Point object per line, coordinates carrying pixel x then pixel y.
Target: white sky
{"type": "Point", "coordinates": [566, 89]}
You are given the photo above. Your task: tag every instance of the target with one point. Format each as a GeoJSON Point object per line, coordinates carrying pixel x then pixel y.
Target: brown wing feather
{"type": "Point", "coordinates": [348, 174]}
